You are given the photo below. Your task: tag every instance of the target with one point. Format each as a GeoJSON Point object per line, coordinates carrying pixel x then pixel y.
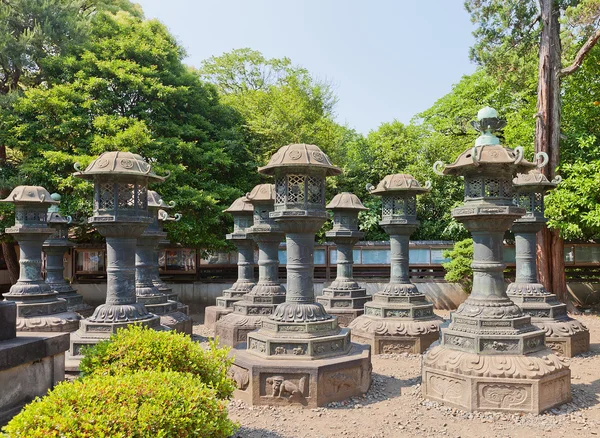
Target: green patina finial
{"type": "Point", "coordinates": [54, 207]}
{"type": "Point", "coordinates": [487, 123]}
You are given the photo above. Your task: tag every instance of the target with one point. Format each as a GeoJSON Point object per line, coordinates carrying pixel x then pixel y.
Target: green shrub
{"type": "Point", "coordinates": [458, 269]}
{"type": "Point", "coordinates": [144, 404]}
{"type": "Point", "coordinates": [137, 348]}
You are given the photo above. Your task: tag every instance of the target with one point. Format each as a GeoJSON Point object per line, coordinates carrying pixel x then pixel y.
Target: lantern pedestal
{"type": "Point", "coordinates": [399, 319]}
{"type": "Point", "coordinates": [564, 335]}
{"type": "Point", "coordinates": [241, 287]}
{"type": "Point", "coordinates": [491, 357]}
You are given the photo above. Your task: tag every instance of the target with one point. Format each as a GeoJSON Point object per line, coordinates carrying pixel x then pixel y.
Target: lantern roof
{"type": "Point", "coordinates": [399, 182]}
{"type": "Point", "coordinates": [155, 201]}
{"type": "Point", "coordinates": [300, 156]}
{"type": "Point", "coordinates": [346, 201]}
{"type": "Point", "coordinates": [240, 205]}
{"type": "Point", "coordinates": [535, 179]}
{"type": "Point", "coordinates": [119, 163]}
{"type": "Point", "coordinates": [262, 193]}
{"type": "Point", "coordinates": [30, 194]}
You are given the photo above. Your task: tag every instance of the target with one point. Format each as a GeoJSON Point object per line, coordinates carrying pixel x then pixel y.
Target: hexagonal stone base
{"type": "Point", "coordinates": [344, 316]}
{"type": "Point", "coordinates": [213, 313]}
{"type": "Point", "coordinates": [161, 308]}
{"type": "Point", "coordinates": [233, 329]}
{"type": "Point", "coordinates": [177, 321]}
{"type": "Point", "coordinates": [309, 383]}
{"type": "Point", "coordinates": [395, 344]}
{"type": "Point", "coordinates": [506, 383]}
{"type": "Point", "coordinates": [569, 346]}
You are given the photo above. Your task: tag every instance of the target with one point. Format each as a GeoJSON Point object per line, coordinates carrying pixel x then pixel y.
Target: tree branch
{"type": "Point", "coordinates": [581, 54]}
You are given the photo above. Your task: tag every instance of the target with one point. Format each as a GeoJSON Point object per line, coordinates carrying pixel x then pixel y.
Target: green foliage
{"type": "Point", "coordinates": [458, 269]}
{"type": "Point", "coordinates": [139, 349]}
{"type": "Point", "coordinates": [146, 404]}
{"type": "Point", "coordinates": [127, 89]}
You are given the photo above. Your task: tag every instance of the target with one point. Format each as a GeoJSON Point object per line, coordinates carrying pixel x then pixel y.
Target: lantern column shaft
{"type": "Point", "coordinates": [120, 277]}
{"type": "Point", "coordinates": [488, 267]}
{"type": "Point", "coordinates": [54, 265]}
{"type": "Point", "coordinates": [399, 258]}
{"type": "Point", "coordinates": [525, 249]}
{"type": "Point", "coordinates": [300, 268]}
{"type": "Point", "coordinates": [345, 260]}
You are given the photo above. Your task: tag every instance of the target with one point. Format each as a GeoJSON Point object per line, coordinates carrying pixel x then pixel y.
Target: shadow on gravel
{"type": "Point", "coordinates": [250, 432]}
{"type": "Point", "coordinates": [585, 395]}
{"type": "Point", "coordinates": [383, 387]}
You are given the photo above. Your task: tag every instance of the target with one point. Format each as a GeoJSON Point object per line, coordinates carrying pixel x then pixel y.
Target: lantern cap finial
{"type": "Point", "coordinates": [119, 163]}
{"type": "Point", "coordinates": [30, 194]}
{"type": "Point", "coordinates": [262, 193]}
{"type": "Point", "coordinates": [399, 182]}
{"type": "Point", "coordinates": [240, 205]}
{"type": "Point", "coordinates": [300, 156]}
{"type": "Point", "coordinates": [346, 201]}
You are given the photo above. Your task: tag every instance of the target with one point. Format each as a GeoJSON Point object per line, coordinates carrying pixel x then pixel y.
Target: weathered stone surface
{"type": "Point", "coordinates": [213, 313]}
{"type": "Point", "coordinates": [310, 383]}
{"type": "Point", "coordinates": [8, 320]}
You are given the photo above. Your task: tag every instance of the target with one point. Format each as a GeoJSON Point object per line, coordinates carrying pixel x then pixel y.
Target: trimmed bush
{"type": "Point", "coordinates": [145, 404]}
{"type": "Point", "coordinates": [458, 269]}
{"type": "Point", "coordinates": [137, 348]}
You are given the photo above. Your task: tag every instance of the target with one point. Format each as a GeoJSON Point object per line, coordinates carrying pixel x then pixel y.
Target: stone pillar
{"type": "Point", "coordinates": [55, 247]}
{"type": "Point", "coordinates": [300, 355]}
{"type": "Point", "coordinates": [491, 357]}
{"type": "Point", "coordinates": [344, 298]}
{"type": "Point", "coordinates": [242, 212]}
{"type": "Point", "coordinates": [39, 308]}
{"type": "Point", "coordinates": [399, 319]}
{"type": "Point", "coordinates": [146, 291]}
{"type": "Point", "coordinates": [264, 297]}
{"type": "Point", "coordinates": [121, 216]}
{"type": "Point", "coordinates": [566, 336]}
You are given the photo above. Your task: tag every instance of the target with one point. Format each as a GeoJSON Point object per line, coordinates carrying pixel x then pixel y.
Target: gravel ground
{"type": "Point", "coordinates": [393, 407]}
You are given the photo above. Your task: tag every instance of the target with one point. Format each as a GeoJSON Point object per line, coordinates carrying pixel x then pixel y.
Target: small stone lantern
{"type": "Point", "coordinates": [300, 355]}
{"type": "Point", "coordinates": [344, 298]}
{"type": "Point", "coordinates": [147, 292]}
{"type": "Point", "coordinates": [55, 247]}
{"type": "Point", "coordinates": [565, 335]}
{"type": "Point", "coordinates": [39, 307]}
{"type": "Point", "coordinates": [491, 357]}
{"type": "Point", "coordinates": [399, 319]}
{"type": "Point", "coordinates": [242, 211]}
{"type": "Point", "coordinates": [264, 297]}
{"type": "Point", "coordinates": [121, 216]}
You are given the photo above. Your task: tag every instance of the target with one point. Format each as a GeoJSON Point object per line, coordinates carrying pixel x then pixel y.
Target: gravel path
{"type": "Point", "coordinates": [393, 407]}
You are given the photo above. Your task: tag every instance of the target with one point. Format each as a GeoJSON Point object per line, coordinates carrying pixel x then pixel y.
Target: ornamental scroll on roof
{"type": "Point", "coordinates": [300, 156]}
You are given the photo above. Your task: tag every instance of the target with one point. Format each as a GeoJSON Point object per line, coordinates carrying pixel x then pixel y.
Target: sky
{"type": "Point", "coordinates": [386, 59]}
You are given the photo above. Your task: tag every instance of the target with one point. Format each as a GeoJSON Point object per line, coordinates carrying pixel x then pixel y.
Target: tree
{"type": "Point", "coordinates": [280, 103]}
{"type": "Point", "coordinates": [127, 89]}
{"type": "Point", "coordinates": [508, 33]}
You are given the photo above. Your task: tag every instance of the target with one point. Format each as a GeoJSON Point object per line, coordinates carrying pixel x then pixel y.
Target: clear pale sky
{"type": "Point", "coordinates": [387, 59]}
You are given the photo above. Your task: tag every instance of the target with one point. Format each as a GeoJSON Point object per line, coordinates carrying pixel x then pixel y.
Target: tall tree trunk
{"type": "Point", "coordinates": [7, 243]}
{"type": "Point", "coordinates": [550, 246]}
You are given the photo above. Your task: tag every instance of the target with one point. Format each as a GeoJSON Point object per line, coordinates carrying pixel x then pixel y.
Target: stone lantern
{"type": "Point", "coordinates": [300, 355]}
{"type": "Point", "coordinates": [399, 319]}
{"type": "Point", "coordinates": [55, 247]}
{"type": "Point", "coordinates": [242, 210]}
{"type": "Point", "coordinates": [121, 216]}
{"type": "Point", "coordinates": [566, 336]}
{"type": "Point", "coordinates": [147, 292]}
{"type": "Point", "coordinates": [491, 357]}
{"type": "Point", "coordinates": [39, 307]}
{"type": "Point", "coordinates": [344, 298]}
{"type": "Point", "coordinates": [264, 297]}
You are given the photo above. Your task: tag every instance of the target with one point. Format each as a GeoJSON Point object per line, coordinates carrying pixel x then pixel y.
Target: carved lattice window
{"type": "Point", "coordinates": [411, 206]}
{"type": "Point", "coordinates": [538, 203]}
{"type": "Point", "coordinates": [474, 188]}
{"type": "Point", "coordinates": [126, 197]}
{"type": "Point", "coordinates": [399, 207]}
{"type": "Point", "coordinates": [107, 196]}
{"type": "Point", "coordinates": [280, 187]}
{"type": "Point", "coordinates": [295, 191]}
{"type": "Point", "coordinates": [492, 187]}
{"type": "Point", "coordinates": [142, 197]}
{"type": "Point", "coordinates": [387, 206]}
{"type": "Point", "coordinates": [315, 190]}
{"type": "Point", "coordinates": [507, 189]}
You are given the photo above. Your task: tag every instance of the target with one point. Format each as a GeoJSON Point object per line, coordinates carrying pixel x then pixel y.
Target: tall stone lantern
{"type": "Point", "coordinates": [399, 319]}
{"type": "Point", "coordinates": [344, 298]}
{"type": "Point", "coordinates": [55, 247]}
{"type": "Point", "coordinates": [565, 335]}
{"type": "Point", "coordinates": [268, 292]}
{"type": "Point", "coordinates": [121, 216]}
{"type": "Point", "coordinates": [242, 211]}
{"type": "Point", "coordinates": [147, 292]}
{"type": "Point", "coordinates": [39, 307]}
{"type": "Point", "coordinates": [300, 355]}
{"type": "Point", "coordinates": [491, 357]}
